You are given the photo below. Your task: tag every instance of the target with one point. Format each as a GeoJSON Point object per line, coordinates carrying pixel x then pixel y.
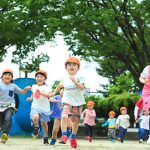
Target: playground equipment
{"type": "Point", "coordinates": [21, 123]}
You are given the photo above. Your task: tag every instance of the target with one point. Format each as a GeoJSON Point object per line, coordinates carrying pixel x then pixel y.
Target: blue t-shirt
{"type": "Point", "coordinates": [56, 108]}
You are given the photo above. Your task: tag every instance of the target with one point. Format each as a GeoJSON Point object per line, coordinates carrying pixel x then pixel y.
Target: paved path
{"type": "Point", "coordinates": [98, 144]}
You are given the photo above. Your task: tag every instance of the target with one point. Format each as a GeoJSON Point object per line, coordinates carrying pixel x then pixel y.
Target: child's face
{"type": "Point", "coordinates": [111, 116]}
{"type": "Point", "coordinates": [7, 78]}
{"type": "Point", "coordinates": [90, 106]}
{"type": "Point", "coordinates": [146, 112]}
{"type": "Point", "coordinates": [40, 79]}
{"type": "Point", "coordinates": [72, 68]}
{"type": "Point", "coordinates": [124, 112]}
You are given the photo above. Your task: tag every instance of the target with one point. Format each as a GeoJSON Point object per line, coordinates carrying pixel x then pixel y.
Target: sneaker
{"type": "Point", "coordinates": [45, 140]}
{"type": "Point", "coordinates": [118, 139]}
{"type": "Point", "coordinates": [113, 140]}
{"type": "Point", "coordinates": [52, 142]}
{"type": "Point", "coordinates": [141, 141]}
{"type": "Point", "coordinates": [73, 143]}
{"type": "Point", "coordinates": [35, 133]}
{"type": "Point", "coordinates": [4, 138]}
{"type": "Point", "coordinates": [63, 139]}
{"type": "Point", "coordinates": [90, 139]}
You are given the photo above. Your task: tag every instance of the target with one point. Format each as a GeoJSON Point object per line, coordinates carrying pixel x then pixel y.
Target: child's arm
{"type": "Point", "coordinates": [59, 86]}
{"type": "Point", "coordinates": [24, 90]}
{"type": "Point", "coordinates": [136, 109]}
{"type": "Point", "coordinates": [105, 124]}
{"type": "Point", "coordinates": [117, 121]}
{"type": "Point", "coordinates": [83, 114]}
{"type": "Point", "coordinates": [54, 100]}
{"type": "Point", "coordinates": [47, 95]}
{"type": "Point", "coordinates": [29, 98]}
{"type": "Point", "coordinates": [78, 84]}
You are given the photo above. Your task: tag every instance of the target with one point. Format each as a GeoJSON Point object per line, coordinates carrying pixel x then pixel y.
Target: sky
{"type": "Point", "coordinates": [58, 53]}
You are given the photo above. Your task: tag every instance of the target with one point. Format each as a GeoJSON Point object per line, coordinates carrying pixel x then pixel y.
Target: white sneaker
{"type": "Point", "coordinates": [148, 141]}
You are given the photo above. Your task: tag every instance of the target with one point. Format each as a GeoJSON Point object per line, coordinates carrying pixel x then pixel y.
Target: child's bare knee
{"type": "Point", "coordinates": [35, 117]}
{"type": "Point", "coordinates": [64, 117]}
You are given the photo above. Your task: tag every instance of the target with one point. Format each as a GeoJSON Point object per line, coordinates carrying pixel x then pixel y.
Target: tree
{"type": "Point", "coordinates": [31, 63]}
{"type": "Point", "coordinates": [113, 33]}
{"type": "Point", "coordinates": [26, 24]}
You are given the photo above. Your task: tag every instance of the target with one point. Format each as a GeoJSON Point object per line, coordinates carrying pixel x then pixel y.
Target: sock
{"type": "Point", "coordinates": [73, 136]}
{"type": "Point", "coordinates": [64, 133]}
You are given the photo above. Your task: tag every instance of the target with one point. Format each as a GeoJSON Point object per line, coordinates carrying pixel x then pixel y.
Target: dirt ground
{"type": "Point", "coordinates": [98, 144]}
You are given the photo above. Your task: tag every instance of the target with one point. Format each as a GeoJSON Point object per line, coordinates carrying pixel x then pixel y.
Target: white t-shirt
{"type": "Point", "coordinates": [123, 121]}
{"type": "Point", "coordinates": [144, 122]}
{"type": "Point", "coordinates": [42, 103]}
{"type": "Point", "coordinates": [144, 73]}
{"type": "Point", "coordinates": [72, 95]}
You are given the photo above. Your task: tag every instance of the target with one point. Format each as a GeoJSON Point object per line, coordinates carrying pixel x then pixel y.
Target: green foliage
{"type": "Point", "coordinates": [31, 63]}
{"type": "Point", "coordinates": [124, 83]}
{"type": "Point", "coordinates": [26, 24]}
{"type": "Point", "coordinates": [55, 84]}
{"type": "Point", "coordinates": [113, 33]}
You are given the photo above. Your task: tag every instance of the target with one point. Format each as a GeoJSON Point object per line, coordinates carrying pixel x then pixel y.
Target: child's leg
{"type": "Point", "coordinates": [69, 124]}
{"type": "Point", "coordinates": [7, 124]}
{"type": "Point", "coordinates": [7, 120]}
{"type": "Point", "coordinates": [45, 128]}
{"type": "Point", "coordinates": [91, 131]}
{"type": "Point", "coordinates": [121, 133]}
{"type": "Point", "coordinates": [114, 134]}
{"type": "Point", "coordinates": [56, 127]}
{"type": "Point", "coordinates": [64, 121]}
{"type": "Point", "coordinates": [87, 131]}
{"type": "Point", "coordinates": [76, 113]}
{"type": "Point", "coordinates": [55, 130]}
{"type": "Point", "coordinates": [36, 120]}
{"type": "Point", "coordinates": [1, 120]}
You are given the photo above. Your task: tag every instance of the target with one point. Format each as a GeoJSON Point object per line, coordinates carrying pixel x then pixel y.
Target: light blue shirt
{"type": "Point", "coordinates": [7, 92]}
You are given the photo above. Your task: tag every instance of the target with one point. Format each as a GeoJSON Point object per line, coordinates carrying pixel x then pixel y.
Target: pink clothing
{"type": "Point", "coordinates": [90, 116]}
{"type": "Point", "coordinates": [146, 92]}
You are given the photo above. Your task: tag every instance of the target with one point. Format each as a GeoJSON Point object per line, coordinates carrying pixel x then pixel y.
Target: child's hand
{"type": "Point", "coordinates": [72, 78]}
{"type": "Point", "coordinates": [28, 88]}
{"type": "Point", "coordinates": [29, 99]}
{"type": "Point", "coordinates": [103, 125]}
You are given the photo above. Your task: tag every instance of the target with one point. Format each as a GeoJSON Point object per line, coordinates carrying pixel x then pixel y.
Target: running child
{"type": "Point", "coordinates": [73, 99]}
{"type": "Point", "coordinates": [89, 116]}
{"type": "Point", "coordinates": [56, 109]}
{"type": "Point", "coordinates": [144, 125]}
{"type": "Point", "coordinates": [111, 123]}
{"type": "Point", "coordinates": [40, 108]}
{"type": "Point", "coordinates": [7, 102]}
{"type": "Point", "coordinates": [122, 123]}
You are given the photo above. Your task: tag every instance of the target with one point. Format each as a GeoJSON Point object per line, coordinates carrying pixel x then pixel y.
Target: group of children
{"type": "Point", "coordinates": [121, 123]}
{"type": "Point", "coordinates": [66, 107]}
{"type": "Point", "coordinates": [68, 110]}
